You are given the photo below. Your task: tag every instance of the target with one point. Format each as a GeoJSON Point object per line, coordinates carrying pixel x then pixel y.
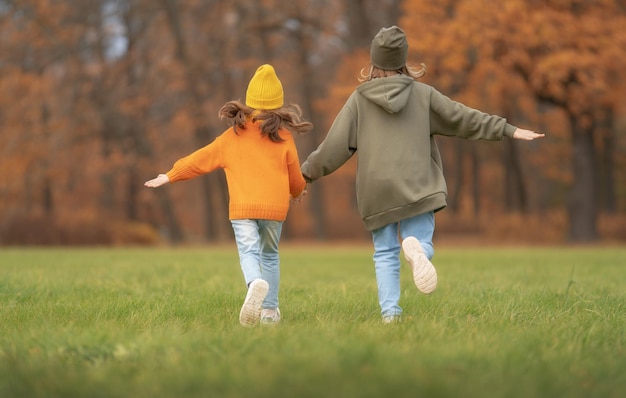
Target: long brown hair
{"type": "Point", "coordinates": [287, 117]}
{"type": "Point", "coordinates": [372, 72]}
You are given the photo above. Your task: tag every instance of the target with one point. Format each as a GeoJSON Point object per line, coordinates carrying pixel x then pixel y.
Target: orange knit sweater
{"type": "Point", "coordinates": [261, 174]}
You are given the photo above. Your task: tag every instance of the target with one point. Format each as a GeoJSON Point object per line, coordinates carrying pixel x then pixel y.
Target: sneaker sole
{"type": "Point", "coordinates": [251, 309]}
{"type": "Point", "coordinates": [424, 273]}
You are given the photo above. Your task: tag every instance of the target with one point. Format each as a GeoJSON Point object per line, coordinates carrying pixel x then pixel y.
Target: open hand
{"type": "Point", "coordinates": [161, 179]}
{"type": "Point", "coordinates": [526, 135]}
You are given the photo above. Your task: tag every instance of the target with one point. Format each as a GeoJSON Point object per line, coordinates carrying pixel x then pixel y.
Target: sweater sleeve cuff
{"type": "Point", "coordinates": [174, 176]}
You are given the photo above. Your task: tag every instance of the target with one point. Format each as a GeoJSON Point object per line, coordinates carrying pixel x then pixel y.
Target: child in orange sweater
{"type": "Point", "coordinates": [259, 158]}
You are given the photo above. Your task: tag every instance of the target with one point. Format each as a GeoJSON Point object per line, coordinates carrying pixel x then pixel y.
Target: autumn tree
{"type": "Point", "coordinates": [567, 53]}
{"type": "Point", "coordinates": [96, 96]}
{"type": "Point", "coordinates": [43, 115]}
{"type": "Point", "coordinates": [571, 55]}
{"type": "Point", "coordinates": [110, 92]}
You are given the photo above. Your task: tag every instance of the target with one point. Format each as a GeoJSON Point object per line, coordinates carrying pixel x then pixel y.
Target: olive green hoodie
{"type": "Point", "coordinates": [390, 122]}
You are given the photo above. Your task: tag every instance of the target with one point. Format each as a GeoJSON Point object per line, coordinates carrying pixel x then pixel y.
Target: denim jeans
{"type": "Point", "coordinates": [257, 243]}
{"type": "Point", "coordinates": [387, 247]}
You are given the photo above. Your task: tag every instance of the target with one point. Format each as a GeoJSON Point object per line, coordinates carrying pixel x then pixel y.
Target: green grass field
{"type": "Point", "coordinates": [503, 322]}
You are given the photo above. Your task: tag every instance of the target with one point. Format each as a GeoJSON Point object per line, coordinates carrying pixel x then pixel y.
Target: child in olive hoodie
{"type": "Point", "coordinates": [391, 120]}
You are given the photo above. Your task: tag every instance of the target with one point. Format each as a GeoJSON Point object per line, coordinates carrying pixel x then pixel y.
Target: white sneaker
{"type": "Point", "coordinates": [388, 319]}
{"type": "Point", "coordinates": [251, 309]}
{"type": "Point", "coordinates": [424, 273]}
{"type": "Point", "coordinates": [270, 316]}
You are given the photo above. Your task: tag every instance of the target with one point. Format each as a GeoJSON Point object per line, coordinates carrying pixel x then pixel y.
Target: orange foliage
{"type": "Point", "coordinates": [82, 127]}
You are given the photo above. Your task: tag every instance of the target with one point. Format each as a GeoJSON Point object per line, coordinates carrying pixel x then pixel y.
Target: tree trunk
{"type": "Point", "coordinates": [47, 193]}
{"type": "Point", "coordinates": [213, 186]}
{"type": "Point", "coordinates": [455, 192]}
{"type": "Point", "coordinates": [582, 204]}
{"type": "Point", "coordinates": [317, 194]}
{"type": "Point", "coordinates": [475, 180]}
{"type": "Point", "coordinates": [358, 24]}
{"type": "Point", "coordinates": [174, 232]}
{"type": "Point", "coordinates": [214, 191]}
{"type": "Point", "coordinates": [514, 187]}
{"type": "Point", "coordinates": [606, 170]}
{"type": "Point", "coordinates": [609, 200]}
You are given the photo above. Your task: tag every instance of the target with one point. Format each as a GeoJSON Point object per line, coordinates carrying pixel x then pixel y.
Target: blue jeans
{"type": "Point", "coordinates": [387, 247]}
{"type": "Point", "coordinates": [257, 243]}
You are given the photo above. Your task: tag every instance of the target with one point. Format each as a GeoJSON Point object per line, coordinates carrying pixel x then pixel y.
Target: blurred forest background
{"type": "Point", "coordinates": [98, 96]}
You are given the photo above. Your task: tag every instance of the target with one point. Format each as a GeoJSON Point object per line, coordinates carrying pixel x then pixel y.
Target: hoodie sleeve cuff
{"type": "Point", "coordinates": [509, 129]}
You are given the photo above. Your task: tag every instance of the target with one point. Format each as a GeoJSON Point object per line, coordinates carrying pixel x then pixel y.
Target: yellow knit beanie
{"type": "Point", "coordinates": [264, 90]}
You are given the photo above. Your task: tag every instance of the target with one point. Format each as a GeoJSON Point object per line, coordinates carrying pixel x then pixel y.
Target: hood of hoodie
{"type": "Point", "coordinates": [390, 93]}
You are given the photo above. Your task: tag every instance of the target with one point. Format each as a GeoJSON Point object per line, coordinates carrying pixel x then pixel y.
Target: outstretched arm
{"type": "Point", "coordinates": [526, 135]}
{"type": "Point", "coordinates": [161, 179]}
